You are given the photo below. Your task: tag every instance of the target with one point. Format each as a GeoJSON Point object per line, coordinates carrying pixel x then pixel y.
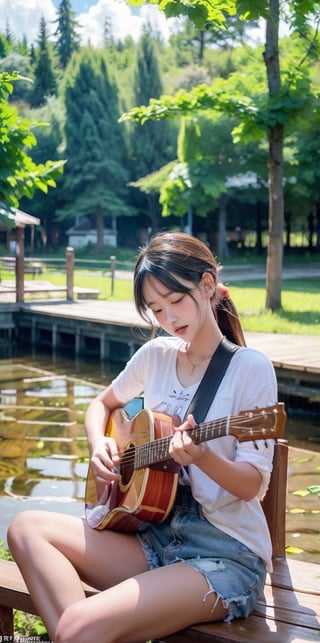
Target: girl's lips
{"type": "Point", "coordinates": [180, 330]}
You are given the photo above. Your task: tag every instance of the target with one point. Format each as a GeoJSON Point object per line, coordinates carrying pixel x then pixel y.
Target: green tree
{"type": "Point", "coordinates": [67, 38]}
{"type": "Point", "coordinates": [22, 88]}
{"type": "Point", "coordinates": [260, 115]}
{"type": "Point", "coordinates": [49, 145]}
{"type": "Point", "coordinates": [19, 175]}
{"type": "Point", "coordinates": [200, 40]}
{"type": "Point", "coordinates": [206, 175]}
{"type": "Point", "coordinates": [150, 145]}
{"type": "Point", "coordinates": [4, 46]}
{"type": "Point", "coordinates": [96, 175]}
{"type": "Point", "coordinates": [44, 79]}
{"type": "Point", "coordinates": [302, 188]}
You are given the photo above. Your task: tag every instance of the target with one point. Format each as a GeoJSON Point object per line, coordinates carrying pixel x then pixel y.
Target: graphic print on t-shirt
{"type": "Point", "coordinates": [176, 404]}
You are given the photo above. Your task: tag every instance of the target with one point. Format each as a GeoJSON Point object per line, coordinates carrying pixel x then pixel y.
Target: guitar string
{"type": "Point", "coordinates": [159, 443]}
{"type": "Point", "coordinates": [129, 455]}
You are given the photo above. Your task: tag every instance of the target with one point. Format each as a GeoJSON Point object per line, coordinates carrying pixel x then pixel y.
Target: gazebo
{"type": "Point", "coordinates": [19, 220]}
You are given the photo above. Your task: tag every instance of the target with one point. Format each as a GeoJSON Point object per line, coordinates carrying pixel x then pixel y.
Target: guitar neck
{"type": "Point", "coordinates": [255, 424]}
{"type": "Point", "coordinates": [158, 450]}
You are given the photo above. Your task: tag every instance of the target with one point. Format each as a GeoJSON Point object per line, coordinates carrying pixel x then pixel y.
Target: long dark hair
{"type": "Point", "coordinates": [175, 258]}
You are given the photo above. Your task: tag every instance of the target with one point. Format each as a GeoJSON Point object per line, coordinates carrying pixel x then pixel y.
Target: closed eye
{"type": "Point", "coordinates": [177, 301]}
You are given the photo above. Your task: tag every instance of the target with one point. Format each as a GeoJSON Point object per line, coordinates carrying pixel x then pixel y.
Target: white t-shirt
{"type": "Point", "coordinates": [248, 383]}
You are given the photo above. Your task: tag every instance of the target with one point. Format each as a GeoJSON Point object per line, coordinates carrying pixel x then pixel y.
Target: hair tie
{"type": "Point", "coordinates": [223, 290]}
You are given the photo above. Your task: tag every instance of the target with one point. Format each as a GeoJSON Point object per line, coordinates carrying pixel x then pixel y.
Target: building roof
{"type": "Point", "coordinates": [18, 217]}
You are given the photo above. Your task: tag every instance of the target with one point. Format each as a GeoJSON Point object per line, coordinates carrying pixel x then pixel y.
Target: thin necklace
{"type": "Point", "coordinates": [194, 366]}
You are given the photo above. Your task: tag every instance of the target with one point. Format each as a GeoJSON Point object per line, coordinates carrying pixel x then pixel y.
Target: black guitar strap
{"type": "Point", "coordinates": [211, 380]}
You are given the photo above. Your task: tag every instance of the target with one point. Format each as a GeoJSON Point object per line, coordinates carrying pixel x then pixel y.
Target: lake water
{"type": "Point", "coordinates": [43, 448]}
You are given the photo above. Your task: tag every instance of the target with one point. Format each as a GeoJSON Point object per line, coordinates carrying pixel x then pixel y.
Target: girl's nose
{"type": "Point", "coordinates": [171, 315]}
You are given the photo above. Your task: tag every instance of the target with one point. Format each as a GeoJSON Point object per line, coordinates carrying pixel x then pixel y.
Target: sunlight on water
{"type": "Point", "coordinates": [43, 456]}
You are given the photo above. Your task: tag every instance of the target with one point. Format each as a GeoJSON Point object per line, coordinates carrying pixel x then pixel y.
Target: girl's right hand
{"type": "Point", "coordinates": [104, 459]}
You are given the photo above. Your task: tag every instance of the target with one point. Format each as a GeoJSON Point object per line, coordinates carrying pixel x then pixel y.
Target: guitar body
{"type": "Point", "coordinates": [149, 477]}
{"type": "Point", "coordinates": [143, 494]}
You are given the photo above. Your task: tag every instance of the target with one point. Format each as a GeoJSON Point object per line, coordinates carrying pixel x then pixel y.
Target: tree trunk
{"type": "Point", "coordinates": [275, 138]}
{"type": "Point", "coordinates": [310, 230]}
{"type": "Point", "coordinates": [288, 230]}
{"type": "Point", "coordinates": [223, 250]}
{"type": "Point", "coordinates": [318, 226]}
{"type": "Point", "coordinates": [201, 46]}
{"type": "Point", "coordinates": [258, 244]}
{"type": "Point", "coordinates": [20, 264]}
{"type": "Point", "coordinates": [153, 211]}
{"type": "Point", "coordinates": [100, 231]}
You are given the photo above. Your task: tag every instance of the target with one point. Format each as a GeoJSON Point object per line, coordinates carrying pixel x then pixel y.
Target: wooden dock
{"type": "Point", "coordinates": [113, 330]}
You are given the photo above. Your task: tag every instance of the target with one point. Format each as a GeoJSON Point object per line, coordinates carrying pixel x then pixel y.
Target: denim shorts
{"type": "Point", "coordinates": [232, 571]}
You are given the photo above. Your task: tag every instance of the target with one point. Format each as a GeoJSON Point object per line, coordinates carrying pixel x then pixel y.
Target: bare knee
{"type": "Point", "coordinates": [18, 528]}
{"type": "Point", "coordinates": [68, 626]}
{"type": "Point", "coordinates": [22, 530]}
{"type": "Point", "coordinates": [74, 627]}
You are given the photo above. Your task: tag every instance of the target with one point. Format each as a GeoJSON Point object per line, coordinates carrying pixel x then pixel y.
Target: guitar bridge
{"type": "Point", "coordinates": [166, 466]}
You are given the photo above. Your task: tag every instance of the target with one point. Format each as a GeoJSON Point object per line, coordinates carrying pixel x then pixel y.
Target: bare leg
{"type": "Point", "coordinates": [55, 552]}
{"type": "Point", "coordinates": [151, 605]}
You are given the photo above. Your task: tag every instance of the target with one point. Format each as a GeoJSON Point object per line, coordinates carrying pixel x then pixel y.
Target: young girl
{"type": "Point", "coordinates": [207, 561]}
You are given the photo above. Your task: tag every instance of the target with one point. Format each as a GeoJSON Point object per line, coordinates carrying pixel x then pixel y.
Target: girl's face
{"type": "Point", "coordinates": [178, 313]}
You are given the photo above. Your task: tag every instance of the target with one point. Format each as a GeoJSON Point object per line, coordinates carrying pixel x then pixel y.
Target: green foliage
{"type": "Point", "coordinates": [201, 12]}
{"type": "Point", "coordinates": [22, 88]}
{"type": "Point", "coordinates": [206, 157]}
{"type": "Point", "coordinates": [149, 145]}
{"type": "Point", "coordinates": [4, 552]}
{"type": "Point", "coordinates": [256, 113]}
{"type": "Point", "coordinates": [315, 488]}
{"type": "Point", "coordinates": [96, 177]}
{"type": "Point", "coordinates": [67, 39]}
{"type": "Point", "coordinates": [30, 626]}
{"type": "Point", "coordinates": [19, 175]}
{"type": "Point", "coordinates": [44, 82]}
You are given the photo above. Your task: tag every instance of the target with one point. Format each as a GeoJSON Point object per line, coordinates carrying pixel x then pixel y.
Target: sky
{"type": "Point", "coordinates": [23, 17]}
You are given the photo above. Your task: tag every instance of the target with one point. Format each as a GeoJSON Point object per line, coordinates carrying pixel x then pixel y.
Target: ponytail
{"type": "Point", "coordinates": [227, 316]}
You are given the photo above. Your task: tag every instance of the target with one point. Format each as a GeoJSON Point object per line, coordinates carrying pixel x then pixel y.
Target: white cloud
{"type": "Point", "coordinates": [23, 17]}
{"type": "Point", "coordinates": [123, 21]}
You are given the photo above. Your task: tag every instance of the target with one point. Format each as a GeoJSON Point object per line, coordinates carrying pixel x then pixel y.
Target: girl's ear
{"type": "Point", "coordinates": [207, 284]}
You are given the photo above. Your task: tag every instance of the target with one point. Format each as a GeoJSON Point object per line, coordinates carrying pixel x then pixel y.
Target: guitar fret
{"type": "Point", "coordinates": [150, 453]}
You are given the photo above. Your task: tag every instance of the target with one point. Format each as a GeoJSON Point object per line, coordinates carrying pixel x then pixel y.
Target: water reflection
{"type": "Point", "coordinates": [44, 449]}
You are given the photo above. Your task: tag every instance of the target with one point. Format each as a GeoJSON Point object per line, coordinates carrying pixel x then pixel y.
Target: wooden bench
{"type": "Point", "coordinates": [30, 265]}
{"type": "Point", "coordinates": [287, 612]}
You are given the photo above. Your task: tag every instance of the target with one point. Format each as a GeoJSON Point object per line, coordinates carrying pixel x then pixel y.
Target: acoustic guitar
{"type": "Point", "coordinates": [149, 477]}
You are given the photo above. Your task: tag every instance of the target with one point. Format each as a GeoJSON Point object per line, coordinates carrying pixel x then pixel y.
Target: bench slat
{"type": "Point", "coordinates": [289, 607]}
{"type": "Point", "coordinates": [242, 631]}
{"type": "Point", "coordinates": [289, 573]}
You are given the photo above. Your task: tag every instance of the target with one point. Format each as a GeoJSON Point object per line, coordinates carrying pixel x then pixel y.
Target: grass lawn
{"type": "Point", "coordinates": [300, 312]}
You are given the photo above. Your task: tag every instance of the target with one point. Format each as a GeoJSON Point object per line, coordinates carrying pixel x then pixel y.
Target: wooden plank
{"type": "Point", "coordinates": [274, 503]}
{"type": "Point", "coordinates": [289, 573]}
{"type": "Point", "coordinates": [253, 629]}
{"type": "Point", "coordinates": [289, 606]}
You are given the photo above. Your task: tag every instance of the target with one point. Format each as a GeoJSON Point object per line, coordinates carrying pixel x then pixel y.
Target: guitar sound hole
{"type": "Point", "coordinates": [127, 464]}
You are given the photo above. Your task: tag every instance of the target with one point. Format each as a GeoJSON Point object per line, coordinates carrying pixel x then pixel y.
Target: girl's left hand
{"type": "Point", "coordinates": [182, 448]}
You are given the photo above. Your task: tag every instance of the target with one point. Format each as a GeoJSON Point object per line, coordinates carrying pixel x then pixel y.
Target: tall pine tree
{"type": "Point", "coordinates": [95, 182]}
{"type": "Point", "coordinates": [67, 37]}
{"type": "Point", "coordinates": [150, 144]}
{"type": "Point", "coordinates": [44, 82]}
